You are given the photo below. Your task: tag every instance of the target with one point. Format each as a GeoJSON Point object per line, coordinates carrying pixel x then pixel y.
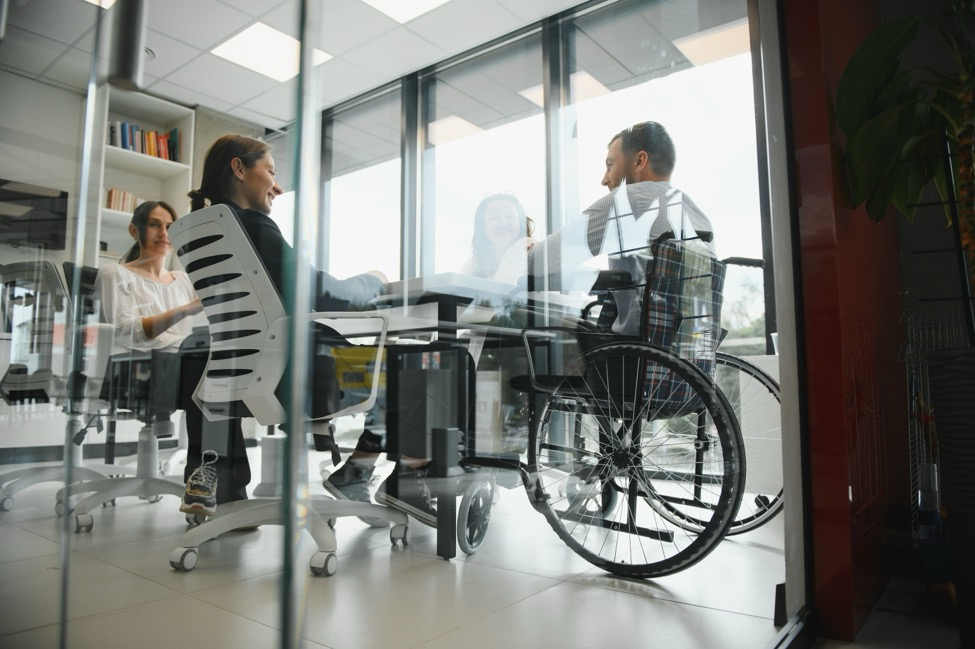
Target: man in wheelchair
{"type": "Point", "coordinates": [642, 208]}
{"type": "Point", "coordinates": [634, 456]}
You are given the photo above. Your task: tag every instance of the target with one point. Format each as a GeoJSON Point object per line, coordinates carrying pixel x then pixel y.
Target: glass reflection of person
{"type": "Point", "coordinates": [502, 238]}
{"type": "Point", "coordinates": [239, 171]}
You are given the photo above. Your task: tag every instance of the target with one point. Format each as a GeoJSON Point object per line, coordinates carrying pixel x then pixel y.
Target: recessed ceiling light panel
{"type": "Point", "coordinates": [403, 11]}
{"type": "Point", "coordinates": [267, 51]}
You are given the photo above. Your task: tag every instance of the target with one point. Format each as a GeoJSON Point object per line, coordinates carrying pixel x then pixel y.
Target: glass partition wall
{"type": "Point", "coordinates": [393, 180]}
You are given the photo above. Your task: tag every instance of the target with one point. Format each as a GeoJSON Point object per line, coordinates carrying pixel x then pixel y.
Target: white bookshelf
{"type": "Point", "coordinates": [146, 176]}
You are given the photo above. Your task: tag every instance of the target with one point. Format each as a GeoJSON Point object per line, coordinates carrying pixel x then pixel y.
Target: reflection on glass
{"type": "Point", "coordinates": [362, 191]}
{"type": "Point", "coordinates": [485, 134]}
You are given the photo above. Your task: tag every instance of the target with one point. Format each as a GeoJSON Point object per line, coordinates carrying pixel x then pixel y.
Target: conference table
{"type": "Point", "coordinates": [437, 327]}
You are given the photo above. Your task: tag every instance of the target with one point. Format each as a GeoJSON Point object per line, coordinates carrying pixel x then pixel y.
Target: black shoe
{"type": "Point", "coordinates": [351, 482]}
{"type": "Point", "coordinates": [415, 496]}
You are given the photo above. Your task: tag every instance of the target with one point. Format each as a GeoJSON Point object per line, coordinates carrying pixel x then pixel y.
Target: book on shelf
{"type": "Point", "coordinates": [121, 200]}
{"type": "Point", "coordinates": [151, 142]}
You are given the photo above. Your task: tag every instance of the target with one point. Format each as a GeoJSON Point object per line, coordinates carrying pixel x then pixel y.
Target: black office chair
{"type": "Point", "coordinates": [136, 385]}
{"type": "Point", "coordinates": [36, 302]}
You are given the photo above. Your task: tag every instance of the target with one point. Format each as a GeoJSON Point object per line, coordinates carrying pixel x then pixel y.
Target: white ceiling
{"type": "Point", "coordinates": [53, 40]}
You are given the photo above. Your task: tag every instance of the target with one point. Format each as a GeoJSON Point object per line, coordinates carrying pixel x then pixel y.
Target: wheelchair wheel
{"type": "Point", "coordinates": [754, 398]}
{"type": "Point", "coordinates": [636, 461]}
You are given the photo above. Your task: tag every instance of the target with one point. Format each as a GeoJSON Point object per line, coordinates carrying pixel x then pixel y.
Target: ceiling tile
{"type": "Point", "coordinates": [170, 54]}
{"type": "Point", "coordinates": [265, 121]}
{"type": "Point", "coordinates": [181, 95]}
{"type": "Point", "coordinates": [71, 69]}
{"type": "Point", "coordinates": [279, 102]}
{"type": "Point", "coordinates": [340, 80]}
{"type": "Point", "coordinates": [60, 20]}
{"type": "Point", "coordinates": [28, 52]}
{"type": "Point", "coordinates": [529, 12]}
{"type": "Point", "coordinates": [216, 77]}
{"type": "Point", "coordinates": [345, 24]}
{"type": "Point", "coordinates": [482, 21]}
{"type": "Point", "coordinates": [200, 23]}
{"type": "Point", "coordinates": [348, 23]}
{"type": "Point", "coordinates": [395, 53]}
{"type": "Point", "coordinates": [258, 8]}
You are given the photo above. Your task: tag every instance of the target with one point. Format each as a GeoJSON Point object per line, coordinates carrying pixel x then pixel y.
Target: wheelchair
{"type": "Point", "coordinates": [635, 456]}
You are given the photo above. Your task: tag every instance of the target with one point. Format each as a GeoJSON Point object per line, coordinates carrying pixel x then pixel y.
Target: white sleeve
{"type": "Point", "coordinates": [118, 307]}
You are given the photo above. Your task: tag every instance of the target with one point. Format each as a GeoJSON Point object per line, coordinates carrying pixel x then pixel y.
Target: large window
{"type": "Point", "coordinates": [691, 72]}
{"type": "Point", "coordinates": [485, 133]}
{"type": "Point", "coordinates": [361, 195]}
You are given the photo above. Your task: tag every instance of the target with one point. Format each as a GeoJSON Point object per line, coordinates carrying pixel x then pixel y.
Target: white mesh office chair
{"type": "Point", "coordinates": [37, 305]}
{"type": "Point", "coordinates": [247, 358]}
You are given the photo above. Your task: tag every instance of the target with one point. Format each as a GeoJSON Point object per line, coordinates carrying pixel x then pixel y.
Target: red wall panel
{"type": "Point", "coordinates": [851, 310]}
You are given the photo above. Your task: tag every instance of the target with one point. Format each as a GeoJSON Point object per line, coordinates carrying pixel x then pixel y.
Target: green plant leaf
{"type": "Point", "coordinates": [877, 148]}
{"type": "Point", "coordinates": [870, 71]}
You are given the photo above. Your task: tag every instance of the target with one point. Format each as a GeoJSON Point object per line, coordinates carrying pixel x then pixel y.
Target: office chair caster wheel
{"type": "Point", "coordinates": [195, 519]}
{"type": "Point", "coordinates": [8, 503]}
{"type": "Point", "coordinates": [474, 516]}
{"type": "Point", "coordinates": [323, 563]}
{"type": "Point", "coordinates": [110, 503]}
{"type": "Point", "coordinates": [331, 524]}
{"type": "Point", "coordinates": [83, 523]}
{"type": "Point", "coordinates": [153, 498]}
{"type": "Point", "coordinates": [60, 509]}
{"type": "Point", "coordinates": [399, 533]}
{"type": "Point", "coordinates": [183, 559]}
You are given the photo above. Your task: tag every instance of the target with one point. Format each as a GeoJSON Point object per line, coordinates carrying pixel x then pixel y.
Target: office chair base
{"type": "Point", "coordinates": [267, 511]}
{"type": "Point", "coordinates": [16, 481]}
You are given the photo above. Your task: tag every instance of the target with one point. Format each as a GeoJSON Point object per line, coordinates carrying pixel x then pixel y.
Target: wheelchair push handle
{"type": "Point", "coordinates": [744, 261]}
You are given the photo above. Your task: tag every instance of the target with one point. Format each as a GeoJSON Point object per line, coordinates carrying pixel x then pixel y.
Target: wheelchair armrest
{"type": "Point", "coordinates": [608, 280]}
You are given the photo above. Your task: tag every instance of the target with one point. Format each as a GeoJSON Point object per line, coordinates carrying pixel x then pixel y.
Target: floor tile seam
{"type": "Point", "coordinates": [194, 596]}
{"type": "Point", "coordinates": [683, 603]}
{"type": "Point", "coordinates": [432, 554]}
{"type": "Point", "coordinates": [128, 572]}
{"type": "Point", "coordinates": [33, 628]}
{"type": "Point", "coordinates": [71, 619]}
{"type": "Point", "coordinates": [484, 616]}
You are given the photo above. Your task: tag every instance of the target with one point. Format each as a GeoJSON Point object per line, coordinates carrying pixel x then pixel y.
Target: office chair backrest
{"type": "Point", "coordinates": [34, 307]}
{"type": "Point", "coordinates": [85, 289]}
{"type": "Point", "coordinates": [248, 323]}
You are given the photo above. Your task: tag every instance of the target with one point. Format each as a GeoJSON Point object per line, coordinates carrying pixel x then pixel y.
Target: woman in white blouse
{"type": "Point", "coordinates": [150, 305]}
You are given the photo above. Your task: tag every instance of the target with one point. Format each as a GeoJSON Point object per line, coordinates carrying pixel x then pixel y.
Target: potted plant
{"type": "Point", "coordinates": [906, 127]}
{"type": "Point", "coordinates": [900, 120]}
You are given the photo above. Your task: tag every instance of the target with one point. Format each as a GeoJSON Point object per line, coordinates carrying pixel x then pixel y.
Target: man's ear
{"type": "Point", "coordinates": [640, 161]}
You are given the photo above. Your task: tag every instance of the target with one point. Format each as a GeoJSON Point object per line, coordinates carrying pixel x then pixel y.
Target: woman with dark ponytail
{"type": "Point", "coordinates": [238, 171]}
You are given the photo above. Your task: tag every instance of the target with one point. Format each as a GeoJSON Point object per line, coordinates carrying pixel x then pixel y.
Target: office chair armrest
{"type": "Point", "coordinates": [379, 330]}
{"type": "Point", "coordinates": [84, 382]}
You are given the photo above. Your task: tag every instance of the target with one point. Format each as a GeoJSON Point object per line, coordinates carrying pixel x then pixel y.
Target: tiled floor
{"type": "Point", "coordinates": [523, 588]}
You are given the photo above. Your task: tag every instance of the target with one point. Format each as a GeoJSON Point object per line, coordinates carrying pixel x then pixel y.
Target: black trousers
{"type": "Point", "coordinates": [233, 469]}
